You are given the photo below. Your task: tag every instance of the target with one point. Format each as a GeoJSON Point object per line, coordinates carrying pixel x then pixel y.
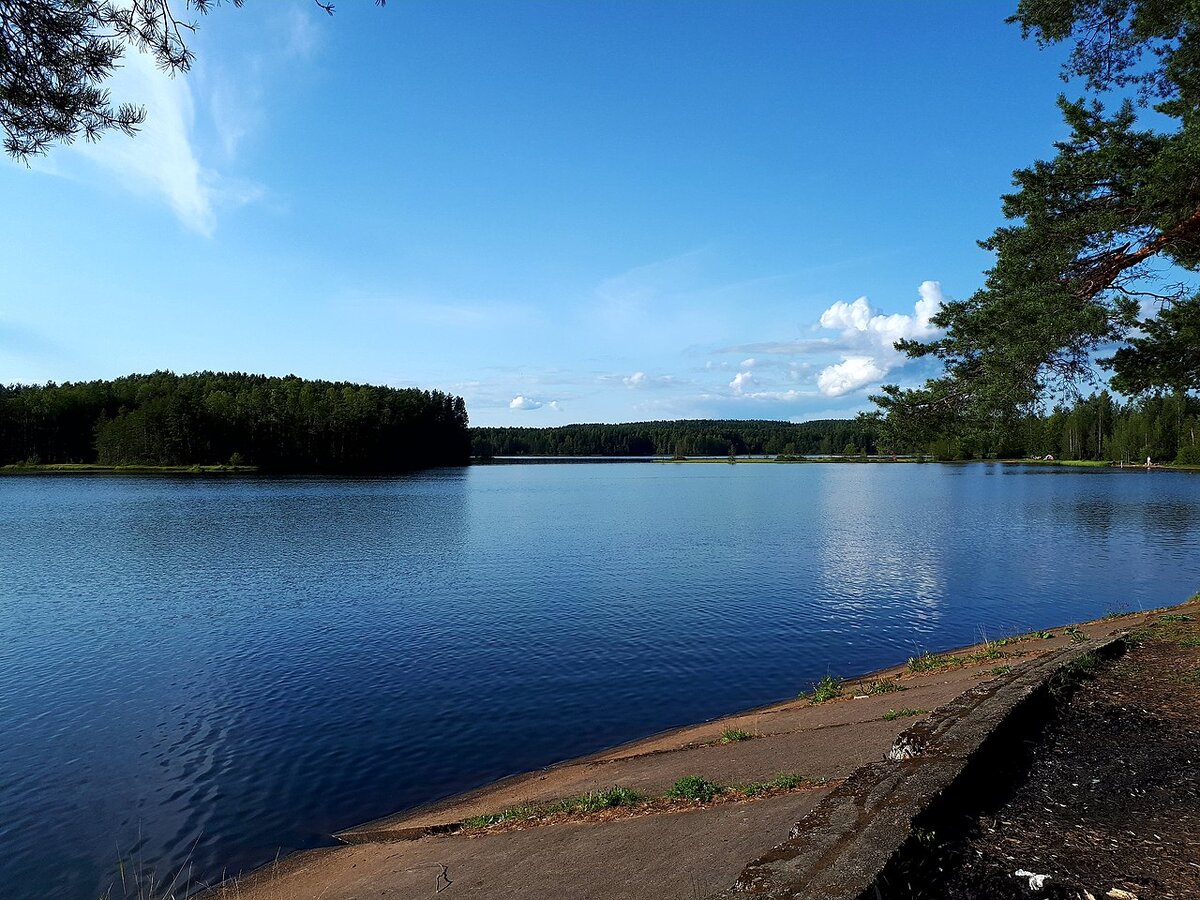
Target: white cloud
{"type": "Point", "coordinates": [742, 382]}
{"type": "Point", "coordinates": [869, 337]}
{"type": "Point", "coordinates": [522, 402]}
{"type": "Point", "coordinates": [553, 404]}
{"type": "Point", "coordinates": [749, 363]}
{"type": "Point", "coordinates": [852, 373]}
{"type": "Point", "coordinates": [637, 379]}
{"type": "Point", "coordinates": [161, 158]}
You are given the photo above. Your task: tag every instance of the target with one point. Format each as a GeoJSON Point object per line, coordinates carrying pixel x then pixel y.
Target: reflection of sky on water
{"type": "Point", "coordinates": [875, 551]}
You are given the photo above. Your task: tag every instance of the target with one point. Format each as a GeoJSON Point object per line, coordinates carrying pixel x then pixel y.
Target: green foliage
{"type": "Point", "coordinates": [733, 735]}
{"type": "Point", "coordinates": [1087, 229]}
{"type": "Point", "coordinates": [787, 782]}
{"type": "Point", "coordinates": [56, 56]}
{"type": "Point", "coordinates": [595, 801]}
{"type": "Point", "coordinates": [678, 439]}
{"type": "Point", "coordinates": [827, 688]}
{"type": "Point", "coordinates": [892, 714]}
{"type": "Point", "coordinates": [1188, 456]}
{"type": "Point", "coordinates": [885, 686]}
{"type": "Point", "coordinates": [1174, 617]}
{"type": "Point", "coordinates": [999, 670]}
{"type": "Point", "coordinates": [1077, 636]}
{"type": "Point", "coordinates": [210, 418]}
{"type": "Point", "coordinates": [607, 799]}
{"type": "Point", "coordinates": [694, 787]}
{"type": "Point", "coordinates": [925, 662]}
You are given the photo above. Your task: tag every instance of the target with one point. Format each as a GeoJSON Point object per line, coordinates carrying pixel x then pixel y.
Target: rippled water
{"type": "Point", "coordinates": [210, 671]}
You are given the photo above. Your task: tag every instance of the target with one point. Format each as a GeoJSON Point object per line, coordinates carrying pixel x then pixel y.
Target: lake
{"type": "Point", "coordinates": [205, 673]}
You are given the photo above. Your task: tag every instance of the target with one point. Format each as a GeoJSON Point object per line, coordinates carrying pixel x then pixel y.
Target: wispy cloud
{"type": "Point", "coordinates": [160, 159]}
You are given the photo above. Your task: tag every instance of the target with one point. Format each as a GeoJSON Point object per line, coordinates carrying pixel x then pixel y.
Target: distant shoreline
{"type": "Point", "coordinates": [98, 469]}
{"type": "Point", "coordinates": [17, 469]}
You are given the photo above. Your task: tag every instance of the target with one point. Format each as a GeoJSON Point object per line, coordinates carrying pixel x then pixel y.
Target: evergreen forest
{"type": "Point", "coordinates": [1101, 427]}
{"type": "Point", "coordinates": [685, 437]}
{"type": "Point", "coordinates": [213, 418]}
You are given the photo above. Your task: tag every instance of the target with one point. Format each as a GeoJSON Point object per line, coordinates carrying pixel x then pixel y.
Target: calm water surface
{"type": "Point", "coordinates": [212, 670]}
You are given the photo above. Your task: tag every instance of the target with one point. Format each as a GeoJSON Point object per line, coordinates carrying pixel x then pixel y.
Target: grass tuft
{"type": "Point", "coordinates": [893, 714]}
{"type": "Point", "coordinates": [1174, 617]}
{"type": "Point", "coordinates": [779, 783]}
{"type": "Point", "coordinates": [828, 688]}
{"type": "Point", "coordinates": [1117, 614]}
{"type": "Point", "coordinates": [999, 670]}
{"type": "Point", "coordinates": [1076, 636]}
{"type": "Point", "coordinates": [585, 803]}
{"type": "Point", "coordinates": [925, 662]}
{"type": "Point", "coordinates": [694, 787]}
{"type": "Point", "coordinates": [885, 686]}
{"type": "Point", "coordinates": [733, 735]}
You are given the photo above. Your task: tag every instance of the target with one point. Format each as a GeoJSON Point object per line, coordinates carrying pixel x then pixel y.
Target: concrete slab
{"type": "Point", "coordinates": [687, 855]}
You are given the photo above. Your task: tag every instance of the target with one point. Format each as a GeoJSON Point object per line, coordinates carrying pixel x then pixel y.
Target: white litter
{"type": "Point", "coordinates": [1036, 882]}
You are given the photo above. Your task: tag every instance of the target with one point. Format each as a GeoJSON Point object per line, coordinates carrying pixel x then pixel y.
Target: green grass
{"type": "Point", "coordinates": [1041, 635]}
{"type": "Point", "coordinates": [885, 686]}
{"type": "Point", "coordinates": [999, 670]}
{"type": "Point", "coordinates": [925, 662]}
{"type": "Point", "coordinates": [893, 714]}
{"type": "Point", "coordinates": [1070, 463]}
{"type": "Point", "coordinates": [1189, 642]}
{"type": "Point", "coordinates": [1174, 617]}
{"type": "Point", "coordinates": [1084, 665]}
{"type": "Point", "coordinates": [779, 783]}
{"type": "Point", "coordinates": [928, 662]}
{"type": "Point", "coordinates": [828, 688]}
{"type": "Point", "coordinates": [694, 787]}
{"type": "Point", "coordinates": [583, 804]}
{"type": "Point", "coordinates": [733, 735]}
{"type": "Point", "coordinates": [989, 651]}
{"type": "Point", "coordinates": [1117, 614]}
{"type": "Point", "coordinates": [1076, 636]}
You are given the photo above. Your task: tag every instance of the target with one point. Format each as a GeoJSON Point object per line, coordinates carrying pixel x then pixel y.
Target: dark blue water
{"type": "Point", "coordinates": [206, 672]}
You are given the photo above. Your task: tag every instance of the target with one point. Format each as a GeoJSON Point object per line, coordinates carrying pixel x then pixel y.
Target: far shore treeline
{"type": "Point", "coordinates": [224, 418]}
{"type": "Point", "coordinates": [684, 437]}
{"type": "Point", "coordinates": [1100, 427]}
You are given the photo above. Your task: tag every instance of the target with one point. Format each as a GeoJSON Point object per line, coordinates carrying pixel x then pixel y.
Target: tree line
{"type": "Point", "coordinates": [1163, 427]}
{"type": "Point", "coordinates": [207, 418]}
{"type": "Point", "coordinates": [687, 437]}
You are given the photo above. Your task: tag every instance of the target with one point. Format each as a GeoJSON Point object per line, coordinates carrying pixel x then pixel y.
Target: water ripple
{"type": "Point", "coordinates": [208, 673]}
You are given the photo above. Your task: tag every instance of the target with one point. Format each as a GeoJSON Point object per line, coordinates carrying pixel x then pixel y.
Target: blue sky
{"type": "Point", "coordinates": [563, 211]}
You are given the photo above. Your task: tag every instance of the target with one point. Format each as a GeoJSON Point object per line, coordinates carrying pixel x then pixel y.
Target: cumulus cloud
{"type": "Point", "coordinates": [522, 402]}
{"type": "Point", "coordinates": [869, 338]}
{"type": "Point", "coordinates": [637, 379]}
{"type": "Point", "coordinates": [743, 382]}
{"type": "Point", "coordinates": [749, 363]}
{"type": "Point", "coordinates": [852, 373]}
